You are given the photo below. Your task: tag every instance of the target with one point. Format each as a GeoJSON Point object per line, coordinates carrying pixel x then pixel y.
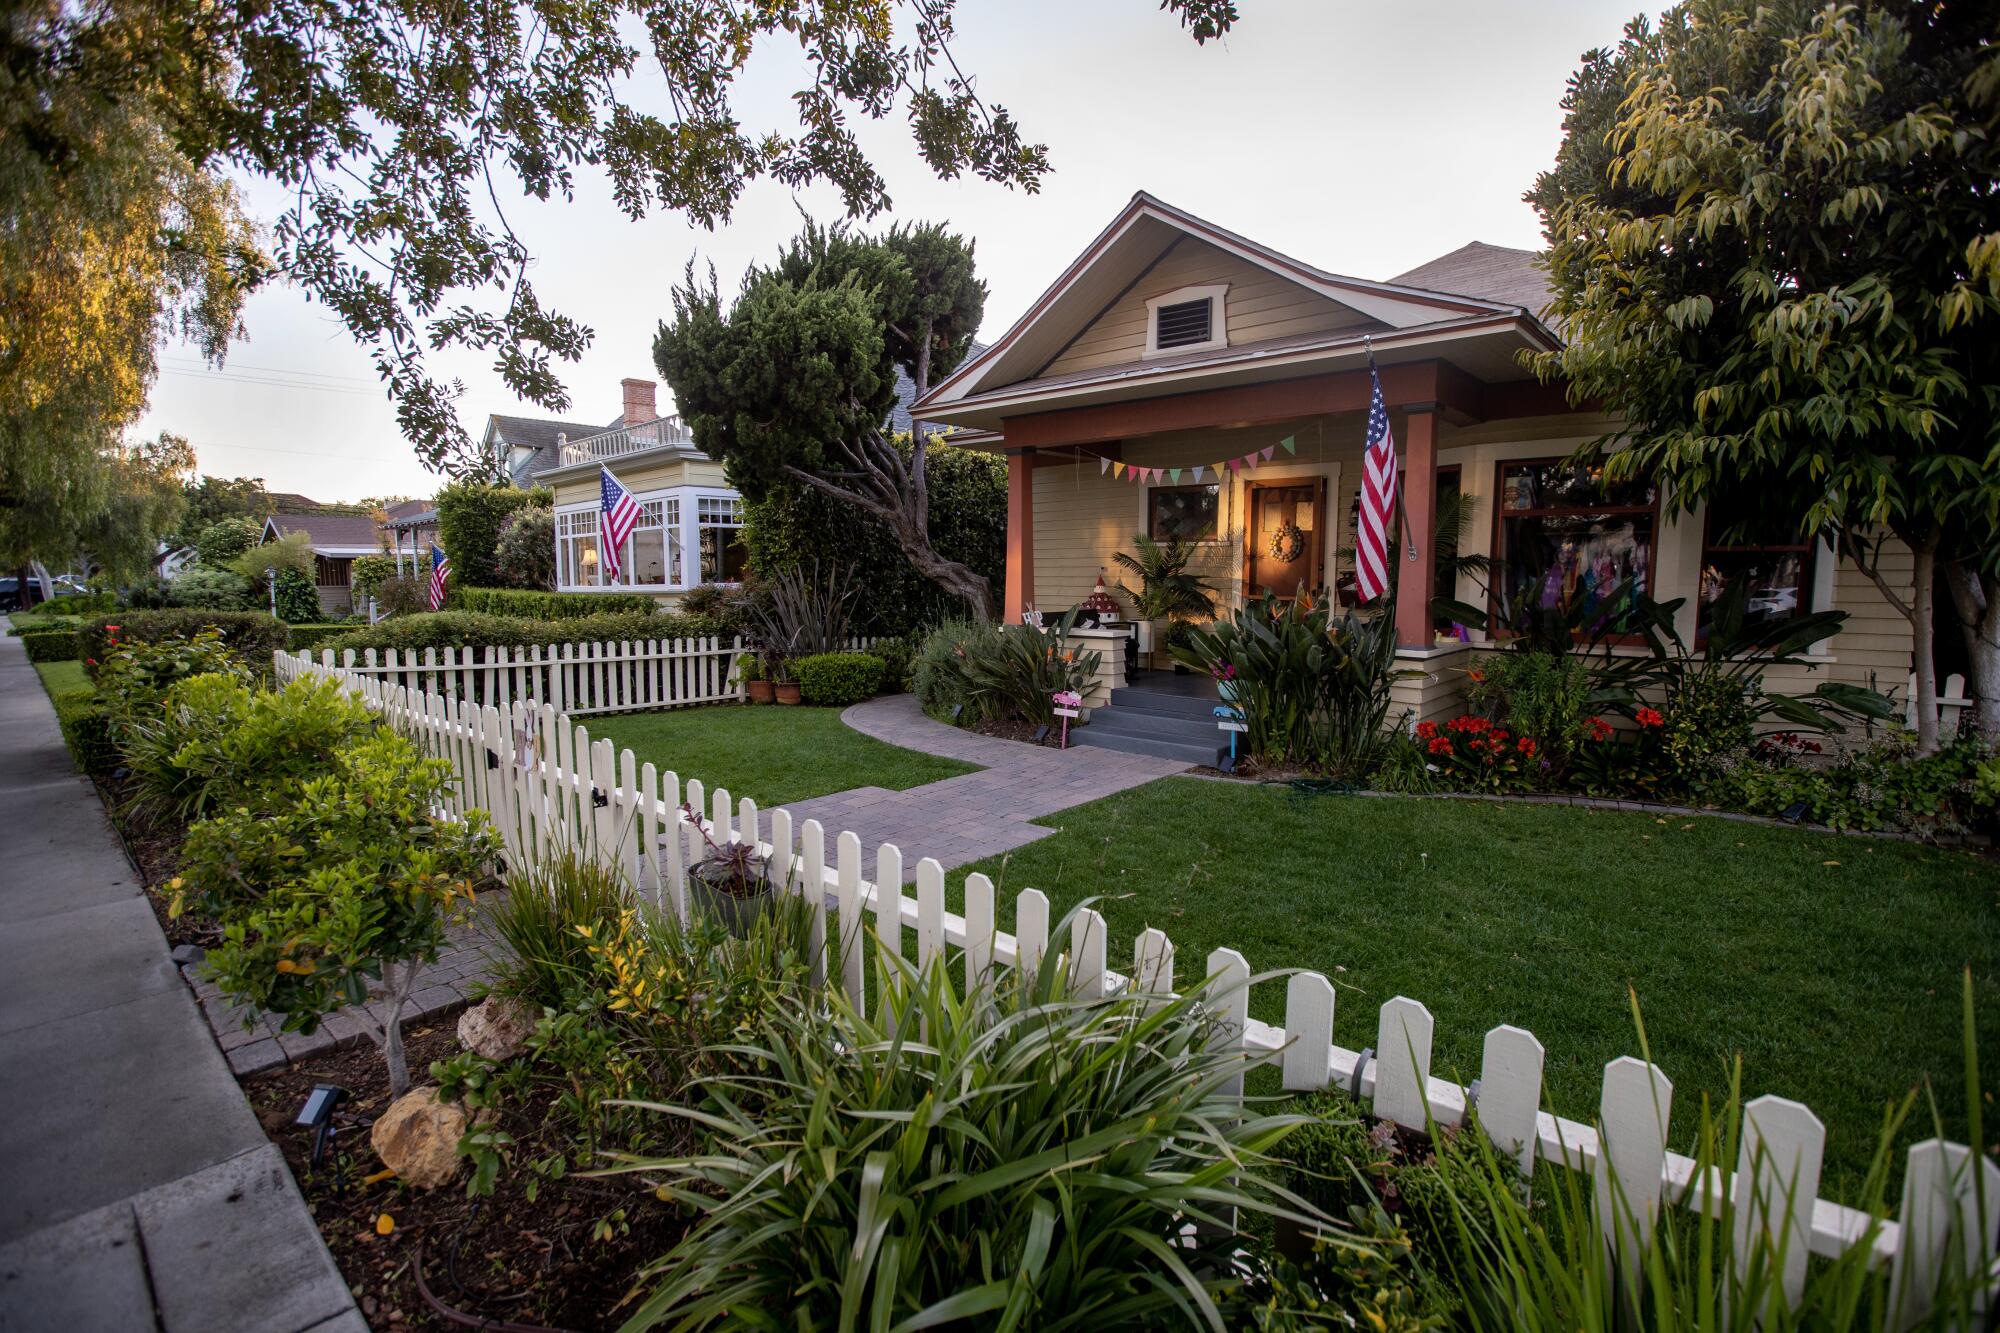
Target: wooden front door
{"type": "Point", "coordinates": [1284, 542]}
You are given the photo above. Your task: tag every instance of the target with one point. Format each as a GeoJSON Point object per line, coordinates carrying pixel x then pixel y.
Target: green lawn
{"type": "Point", "coordinates": [1831, 964]}
{"type": "Point", "coordinates": [773, 755]}
{"type": "Point", "coordinates": [61, 677]}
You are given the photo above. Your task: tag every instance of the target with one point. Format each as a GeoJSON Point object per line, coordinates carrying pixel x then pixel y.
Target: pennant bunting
{"type": "Point", "coordinates": [1198, 473]}
{"type": "Point", "coordinates": [1103, 466]}
{"type": "Point", "coordinates": [1290, 447]}
{"type": "Point", "coordinates": [1235, 465]}
{"type": "Point", "coordinates": [1269, 449]}
{"type": "Point", "coordinates": [1117, 469]}
{"type": "Point", "coordinates": [1174, 475]}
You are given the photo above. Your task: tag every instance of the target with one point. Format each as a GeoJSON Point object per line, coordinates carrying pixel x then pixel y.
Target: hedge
{"type": "Point", "coordinates": [469, 518]}
{"type": "Point", "coordinates": [529, 605]}
{"type": "Point", "coordinates": [86, 730]}
{"type": "Point", "coordinates": [836, 679]}
{"type": "Point", "coordinates": [312, 636]}
{"type": "Point", "coordinates": [466, 629]}
{"type": "Point", "coordinates": [968, 523]}
{"type": "Point", "coordinates": [52, 645]}
{"type": "Point", "coordinates": [252, 635]}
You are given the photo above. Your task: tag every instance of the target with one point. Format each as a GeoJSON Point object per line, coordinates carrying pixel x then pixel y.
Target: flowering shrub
{"type": "Point", "coordinates": [134, 677]}
{"type": "Point", "coordinates": [1482, 754]}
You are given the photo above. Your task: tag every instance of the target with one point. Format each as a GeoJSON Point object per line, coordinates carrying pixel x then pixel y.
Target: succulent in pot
{"type": "Point", "coordinates": [733, 881]}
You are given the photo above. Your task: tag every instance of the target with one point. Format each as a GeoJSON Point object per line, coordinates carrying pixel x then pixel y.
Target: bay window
{"type": "Point", "coordinates": [577, 557]}
{"type": "Point", "coordinates": [719, 525]}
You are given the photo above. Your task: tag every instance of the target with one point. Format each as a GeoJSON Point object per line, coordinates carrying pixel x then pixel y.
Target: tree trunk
{"type": "Point", "coordinates": [47, 584]}
{"type": "Point", "coordinates": [388, 1035]}
{"type": "Point", "coordinates": [1977, 599]}
{"type": "Point", "coordinates": [904, 511]}
{"type": "Point", "coordinates": [1924, 645]}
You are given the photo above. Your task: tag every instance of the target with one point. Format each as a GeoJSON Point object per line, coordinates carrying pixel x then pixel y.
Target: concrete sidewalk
{"type": "Point", "coordinates": [137, 1190]}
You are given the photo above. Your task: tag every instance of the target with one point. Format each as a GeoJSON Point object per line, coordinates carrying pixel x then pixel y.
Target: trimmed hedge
{"type": "Point", "coordinates": [470, 515]}
{"type": "Point", "coordinates": [52, 645]}
{"type": "Point", "coordinates": [251, 635]}
{"type": "Point", "coordinates": [528, 605]}
{"type": "Point", "coordinates": [86, 730]}
{"type": "Point", "coordinates": [312, 636]}
{"type": "Point", "coordinates": [836, 679]}
{"type": "Point", "coordinates": [465, 629]}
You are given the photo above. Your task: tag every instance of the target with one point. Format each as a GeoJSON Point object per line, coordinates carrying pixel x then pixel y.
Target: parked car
{"type": "Point", "coordinates": [63, 585]}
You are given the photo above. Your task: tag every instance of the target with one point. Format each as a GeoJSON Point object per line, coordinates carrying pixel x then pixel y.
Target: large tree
{"type": "Point", "coordinates": [401, 131]}
{"type": "Point", "coordinates": [790, 385]}
{"type": "Point", "coordinates": [110, 517]}
{"type": "Point", "coordinates": [1774, 243]}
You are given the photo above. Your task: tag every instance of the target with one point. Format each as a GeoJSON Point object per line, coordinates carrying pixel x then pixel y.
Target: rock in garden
{"type": "Point", "coordinates": [417, 1138]}
{"type": "Point", "coordinates": [497, 1028]}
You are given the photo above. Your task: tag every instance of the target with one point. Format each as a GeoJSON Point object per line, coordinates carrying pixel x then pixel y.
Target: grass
{"type": "Point", "coordinates": [1830, 964]}
{"type": "Point", "coordinates": [60, 678]}
{"type": "Point", "coordinates": [772, 755]}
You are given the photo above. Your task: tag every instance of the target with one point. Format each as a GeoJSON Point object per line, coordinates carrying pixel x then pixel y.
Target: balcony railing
{"type": "Point", "coordinates": [655, 434]}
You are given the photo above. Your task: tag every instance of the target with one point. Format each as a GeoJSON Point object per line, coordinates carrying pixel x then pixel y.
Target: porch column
{"type": "Point", "coordinates": [1020, 533]}
{"type": "Point", "coordinates": [1417, 559]}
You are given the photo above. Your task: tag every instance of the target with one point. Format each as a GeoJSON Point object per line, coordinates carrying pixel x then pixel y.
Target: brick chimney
{"type": "Point", "coordinates": [639, 401]}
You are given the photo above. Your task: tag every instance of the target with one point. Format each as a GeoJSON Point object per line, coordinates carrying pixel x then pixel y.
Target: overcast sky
{"type": "Point", "coordinates": [1364, 138]}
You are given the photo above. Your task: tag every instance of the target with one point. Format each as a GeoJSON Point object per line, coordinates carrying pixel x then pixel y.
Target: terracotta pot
{"type": "Point", "coordinates": [788, 691]}
{"type": "Point", "coordinates": [760, 691]}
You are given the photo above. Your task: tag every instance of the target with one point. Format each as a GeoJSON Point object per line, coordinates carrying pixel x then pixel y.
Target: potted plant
{"type": "Point", "coordinates": [1167, 591]}
{"type": "Point", "coordinates": [755, 685]}
{"type": "Point", "coordinates": [733, 881]}
{"type": "Point", "coordinates": [782, 685]}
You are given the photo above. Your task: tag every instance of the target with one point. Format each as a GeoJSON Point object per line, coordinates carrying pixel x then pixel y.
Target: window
{"type": "Point", "coordinates": [1182, 513]}
{"type": "Point", "coordinates": [1566, 536]}
{"type": "Point", "coordinates": [651, 560]}
{"type": "Point", "coordinates": [719, 524]}
{"type": "Point", "coordinates": [332, 571]}
{"type": "Point", "coordinates": [577, 564]}
{"type": "Point", "coordinates": [1744, 543]}
{"type": "Point", "coordinates": [1189, 319]}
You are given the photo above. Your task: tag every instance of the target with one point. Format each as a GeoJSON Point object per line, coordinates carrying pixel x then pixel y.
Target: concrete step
{"type": "Point", "coordinates": [1141, 700]}
{"type": "Point", "coordinates": [1209, 755]}
{"type": "Point", "coordinates": [1159, 726]}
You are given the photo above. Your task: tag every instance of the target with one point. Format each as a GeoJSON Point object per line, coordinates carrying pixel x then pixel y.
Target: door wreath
{"type": "Point", "coordinates": [1288, 543]}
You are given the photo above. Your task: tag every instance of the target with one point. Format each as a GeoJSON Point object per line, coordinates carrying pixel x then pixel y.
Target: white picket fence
{"type": "Point", "coordinates": [548, 786]}
{"type": "Point", "coordinates": [576, 679]}
{"type": "Point", "coordinates": [1952, 703]}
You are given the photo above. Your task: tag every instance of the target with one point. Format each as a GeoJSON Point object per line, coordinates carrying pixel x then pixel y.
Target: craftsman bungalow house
{"type": "Point", "coordinates": [1182, 380]}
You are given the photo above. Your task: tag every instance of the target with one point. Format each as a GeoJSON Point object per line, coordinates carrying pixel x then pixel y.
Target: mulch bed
{"type": "Point", "coordinates": [502, 1261]}
{"type": "Point", "coordinates": [153, 844]}
{"type": "Point", "coordinates": [1023, 732]}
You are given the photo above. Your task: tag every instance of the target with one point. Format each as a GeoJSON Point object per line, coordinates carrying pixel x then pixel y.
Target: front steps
{"type": "Point", "coordinates": [1161, 723]}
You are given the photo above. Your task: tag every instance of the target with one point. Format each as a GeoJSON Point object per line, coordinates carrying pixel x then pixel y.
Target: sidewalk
{"type": "Point", "coordinates": [137, 1190]}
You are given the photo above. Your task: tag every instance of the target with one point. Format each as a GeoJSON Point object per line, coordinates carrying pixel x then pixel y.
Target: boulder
{"type": "Point", "coordinates": [497, 1028]}
{"type": "Point", "coordinates": [417, 1138]}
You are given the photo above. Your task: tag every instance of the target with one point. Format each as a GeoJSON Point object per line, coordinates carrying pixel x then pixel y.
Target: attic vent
{"type": "Point", "coordinates": [1184, 324]}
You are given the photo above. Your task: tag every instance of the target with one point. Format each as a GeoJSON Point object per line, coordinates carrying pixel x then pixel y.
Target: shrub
{"type": "Point", "coordinates": [1546, 696]}
{"type": "Point", "coordinates": [463, 629]}
{"type": "Point", "coordinates": [53, 645]}
{"type": "Point", "coordinates": [222, 541]}
{"type": "Point", "coordinates": [837, 679]}
{"type": "Point", "coordinates": [525, 551]}
{"type": "Point", "coordinates": [211, 590]}
{"type": "Point", "coordinates": [1883, 785]}
{"type": "Point", "coordinates": [369, 572]}
{"type": "Point", "coordinates": [802, 613]}
{"type": "Point", "coordinates": [252, 635]}
{"type": "Point", "coordinates": [546, 958]}
{"type": "Point", "coordinates": [470, 515]}
{"type": "Point", "coordinates": [134, 680]}
{"type": "Point", "coordinates": [403, 595]}
{"type": "Point", "coordinates": [297, 599]}
{"type": "Point", "coordinates": [1032, 1154]}
{"type": "Point", "coordinates": [897, 656]}
{"type": "Point", "coordinates": [86, 730]}
{"type": "Point", "coordinates": [354, 875]}
{"type": "Point", "coordinates": [1477, 755]}
{"type": "Point", "coordinates": [308, 638]}
{"type": "Point", "coordinates": [967, 520]}
{"type": "Point", "coordinates": [937, 673]}
{"type": "Point", "coordinates": [526, 605]}
{"type": "Point", "coordinates": [214, 743]}
{"type": "Point", "coordinates": [1014, 674]}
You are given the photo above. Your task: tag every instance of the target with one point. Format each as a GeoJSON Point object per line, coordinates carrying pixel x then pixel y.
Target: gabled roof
{"type": "Point", "coordinates": [1494, 272]}
{"type": "Point", "coordinates": [329, 534]}
{"type": "Point", "coordinates": [539, 434]}
{"type": "Point", "coordinates": [1121, 255]}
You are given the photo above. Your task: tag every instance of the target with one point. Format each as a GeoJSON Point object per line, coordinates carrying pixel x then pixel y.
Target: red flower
{"type": "Point", "coordinates": [1426, 730]}
{"type": "Point", "coordinates": [1649, 717]}
{"type": "Point", "coordinates": [1476, 676]}
{"type": "Point", "coordinates": [1526, 746]}
{"type": "Point", "coordinates": [1600, 730]}
{"type": "Point", "coordinates": [1440, 745]}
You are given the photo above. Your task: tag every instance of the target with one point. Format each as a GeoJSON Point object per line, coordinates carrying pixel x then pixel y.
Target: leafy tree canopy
{"type": "Point", "coordinates": [790, 385]}
{"type": "Point", "coordinates": [1775, 252]}
{"type": "Point", "coordinates": [399, 130]}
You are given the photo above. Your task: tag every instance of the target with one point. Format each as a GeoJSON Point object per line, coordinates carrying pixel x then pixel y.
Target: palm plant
{"type": "Point", "coordinates": [1167, 591]}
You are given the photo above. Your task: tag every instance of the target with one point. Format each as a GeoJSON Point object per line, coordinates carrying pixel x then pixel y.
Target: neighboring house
{"type": "Point", "coordinates": [1171, 345]}
{"type": "Point", "coordinates": [336, 540]}
{"type": "Point", "coordinates": [409, 528]}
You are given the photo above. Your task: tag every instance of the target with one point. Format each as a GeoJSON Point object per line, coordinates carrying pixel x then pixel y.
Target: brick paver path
{"type": "Point", "coordinates": [975, 815]}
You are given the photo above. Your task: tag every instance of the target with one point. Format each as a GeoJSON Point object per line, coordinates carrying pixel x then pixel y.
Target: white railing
{"type": "Point", "coordinates": [548, 786]}
{"type": "Point", "coordinates": [625, 440]}
{"type": "Point", "coordinates": [1952, 703]}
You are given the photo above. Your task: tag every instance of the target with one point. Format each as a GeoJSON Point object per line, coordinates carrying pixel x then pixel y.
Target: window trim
{"type": "Point", "coordinates": [1220, 538]}
{"type": "Point", "coordinates": [1215, 293]}
{"type": "Point", "coordinates": [1807, 550]}
{"type": "Point", "coordinates": [1497, 550]}
{"type": "Point", "coordinates": [694, 528]}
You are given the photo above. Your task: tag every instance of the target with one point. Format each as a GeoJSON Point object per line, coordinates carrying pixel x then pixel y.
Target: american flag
{"type": "Point", "coordinates": [440, 576]}
{"type": "Point", "coordinates": [1378, 496]}
{"type": "Point", "coordinates": [621, 515]}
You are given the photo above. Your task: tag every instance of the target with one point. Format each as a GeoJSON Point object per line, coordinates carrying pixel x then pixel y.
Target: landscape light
{"type": "Point", "coordinates": [317, 1115]}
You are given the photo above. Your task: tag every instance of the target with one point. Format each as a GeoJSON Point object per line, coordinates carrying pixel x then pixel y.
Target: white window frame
{"type": "Point", "coordinates": [1217, 296]}
{"type": "Point", "coordinates": [693, 530]}
{"type": "Point", "coordinates": [680, 526]}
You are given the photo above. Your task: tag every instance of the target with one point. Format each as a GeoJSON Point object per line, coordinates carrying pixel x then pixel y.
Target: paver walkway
{"type": "Point", "coordinates": [975, 815]}
{"type": "Point", "coordinates": [137, 1190]}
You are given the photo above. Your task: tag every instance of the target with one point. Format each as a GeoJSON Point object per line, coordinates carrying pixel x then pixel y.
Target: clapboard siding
{"type": "Point", "coordinates": [641, 477]}
{"type": "Point", "coordinates": [1260, 306]}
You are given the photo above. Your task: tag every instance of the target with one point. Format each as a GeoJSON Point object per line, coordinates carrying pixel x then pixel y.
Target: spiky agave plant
{"type": "Point", "coordinates": [1011, 1155]}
